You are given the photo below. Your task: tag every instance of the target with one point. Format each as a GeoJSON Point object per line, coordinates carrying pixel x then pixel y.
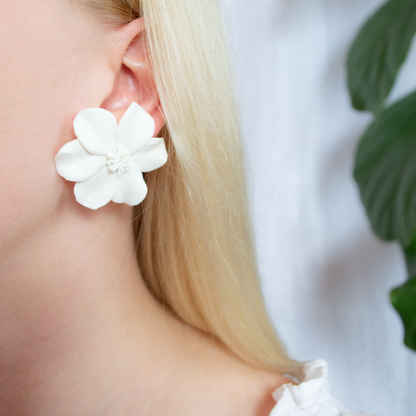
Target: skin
{"type": "Point", "coordinates": [80, 333]}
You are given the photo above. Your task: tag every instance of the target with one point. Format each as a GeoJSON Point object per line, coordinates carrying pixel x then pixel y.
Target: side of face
{"type": "Point", "coordinates": [52, 66]}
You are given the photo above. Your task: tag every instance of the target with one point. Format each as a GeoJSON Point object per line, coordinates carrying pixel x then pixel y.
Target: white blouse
{"type": "Point", "coordinates": [311, 397]}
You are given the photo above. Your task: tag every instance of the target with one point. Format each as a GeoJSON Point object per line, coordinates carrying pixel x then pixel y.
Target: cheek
{"type": "Point", "coordinates": [29, 184]}
{"type": "Point", "coordinates": [48, 74]}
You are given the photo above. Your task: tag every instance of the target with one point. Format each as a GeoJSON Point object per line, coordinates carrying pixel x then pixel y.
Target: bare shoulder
{"type": "Point", "coordinates": [237, 388]}
{"type": "Point", "coordinates": [253, 390]}
{"type": "Point", "coordinates": [209, 380]}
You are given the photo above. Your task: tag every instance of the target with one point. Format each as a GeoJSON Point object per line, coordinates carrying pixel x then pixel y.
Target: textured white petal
{"type": "Point", "coordinates": [311, 397]}
{"type": "Point", "coordinates": [152, 156]}
{"type": "Point", "coordinates": [131, 188]}
{"type": "Point", "coordinates": [96, 191]}
{"type": "Point", "coordinates": [75, 163]}
{"type": "Point", "coordinates": [135, 128]}
{"type": "Point", "coordinates": [96, 129]}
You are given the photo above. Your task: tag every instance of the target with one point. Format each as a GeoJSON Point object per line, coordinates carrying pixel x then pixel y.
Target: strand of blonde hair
{"type": "Point", "coordinates": [194, 239]}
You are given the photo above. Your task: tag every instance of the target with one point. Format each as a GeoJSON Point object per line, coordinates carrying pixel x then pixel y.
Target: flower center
{"type": "Point", "coordinates": [118, 159]}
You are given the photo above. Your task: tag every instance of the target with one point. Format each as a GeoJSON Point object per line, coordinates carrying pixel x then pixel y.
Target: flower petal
{"type": "Point", "coordinates": [96, 191]}
{"type": "Point", "coordinates": [152, 156]}
{"type": "Point", "coordinates": [96, 129]}
{"type": "Point", "coordinates": [135, 128]}
{"type": "Point", "coordinates": [75, 163]}
{"type": "Point", "coordinates": [131, 188]}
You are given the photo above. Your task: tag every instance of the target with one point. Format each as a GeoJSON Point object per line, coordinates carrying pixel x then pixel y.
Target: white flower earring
{"type": "Point", "coordinates": [107, 160]}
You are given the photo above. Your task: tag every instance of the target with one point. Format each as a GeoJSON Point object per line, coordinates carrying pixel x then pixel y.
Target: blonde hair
{"type": "Point", "coordinates": [194, 240]}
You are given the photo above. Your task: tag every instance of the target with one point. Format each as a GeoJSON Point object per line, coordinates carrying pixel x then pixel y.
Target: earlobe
{"type": "Point", "coordinates": [133, 80]}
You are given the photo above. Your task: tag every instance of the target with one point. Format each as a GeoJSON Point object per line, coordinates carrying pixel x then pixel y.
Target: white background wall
{"type": "Point", "coordinates": [326, 277]}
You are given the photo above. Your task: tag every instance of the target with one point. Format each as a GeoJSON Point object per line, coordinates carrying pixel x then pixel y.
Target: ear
{"type": "Point", "coordinates": [133, 79]}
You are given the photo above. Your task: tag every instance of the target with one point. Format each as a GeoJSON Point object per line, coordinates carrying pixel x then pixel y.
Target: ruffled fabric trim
{"type": "Point", "coordinates": [312, 397]}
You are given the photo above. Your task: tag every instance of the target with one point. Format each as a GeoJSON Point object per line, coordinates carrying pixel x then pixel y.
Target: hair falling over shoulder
{"type": "Point", "coordinates": [194, 239]}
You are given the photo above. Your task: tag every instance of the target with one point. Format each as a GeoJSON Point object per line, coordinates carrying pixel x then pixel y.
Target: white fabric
{"type": "Point", "coordinates": [326, 278]}
{"type": "Point", "coordinates": [311, 397]}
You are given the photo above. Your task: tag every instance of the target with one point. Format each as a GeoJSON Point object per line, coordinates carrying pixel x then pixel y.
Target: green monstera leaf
{"type": "Point", "coordinates": [378, 52]}
{"type": "Point", "coordinates": [385, 164]}
{"type": "Point", "coordinates": [410, 256]}
{"type": "Point", "coordinates": [385, 170]}
{"type": "Point", "coordinates": [403, 299]}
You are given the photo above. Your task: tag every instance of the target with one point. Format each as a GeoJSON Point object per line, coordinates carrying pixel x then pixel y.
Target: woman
{"type": "Point", "coordinates": [151, 310]}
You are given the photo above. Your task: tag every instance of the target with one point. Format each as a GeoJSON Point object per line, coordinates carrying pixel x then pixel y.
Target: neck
{"type": "Point", "coordinates": [81, 334]}
{"type": "Point", "coordinates": [74, 314]}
